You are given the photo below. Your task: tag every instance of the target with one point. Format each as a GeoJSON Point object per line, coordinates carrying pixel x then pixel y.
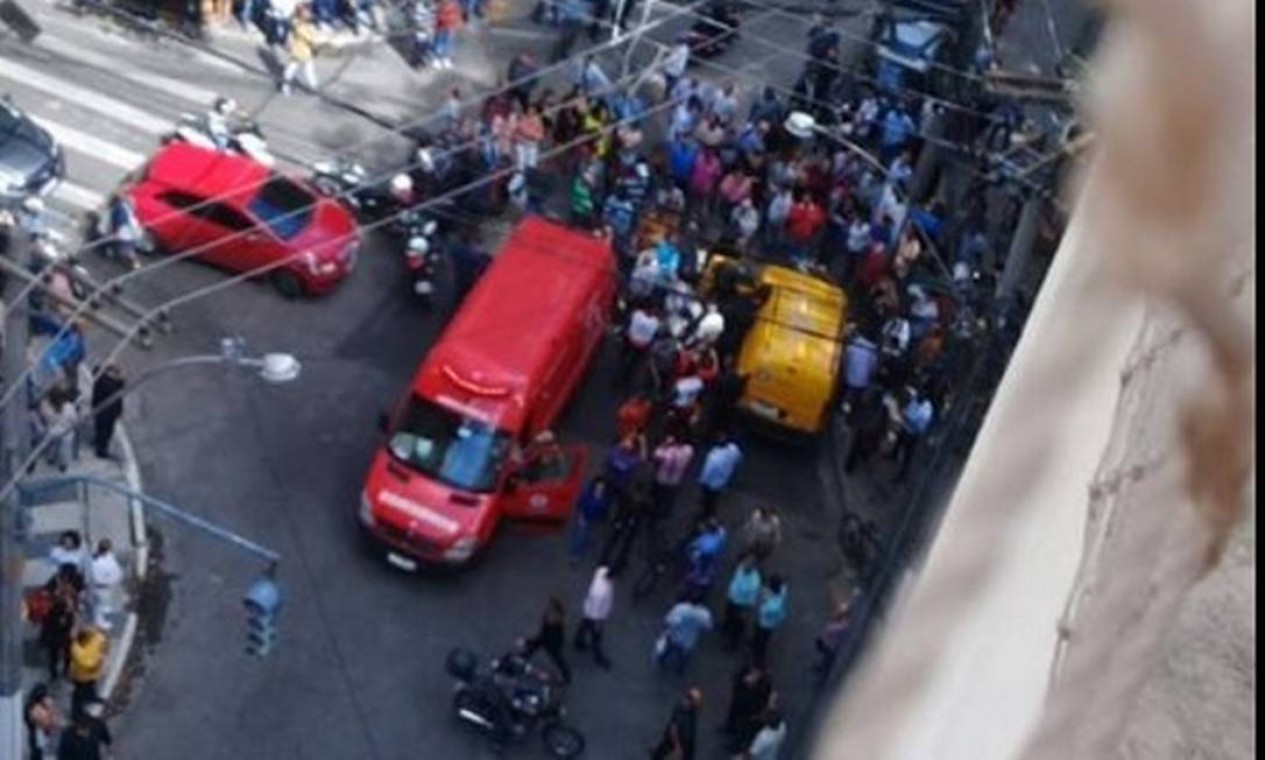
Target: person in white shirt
{"type": "Point", "coordinates": [107, 576]}
{"type": "Point", "coordinates": [69, 550]}
{"type": "Point", "coordinates": [767, 744]}
{"type": "Point", "coordinates": [674, 64]}
{"type": "Point", "coordinates": [643, 326]}
{"type": "Point", "coordinates": [61, 423]}
{"type": "Point", "coordinates": [597, 608]}
{"type": "Point", "coordinates": [710, 326]}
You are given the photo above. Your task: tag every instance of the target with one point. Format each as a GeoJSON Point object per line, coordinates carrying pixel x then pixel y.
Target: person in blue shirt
{"type": "Point", "coordinates": [621, 216]}
{"type": "Point", "coordinates": [718, 469]}
{"type": "Point", "coordinates": [682, 153]}
{"type": "Point", "coordinates": [769, 617]}
{"type": "Point", "coordinates": [740, 600]}
{"type": "Point", "coordinates": [898, 129]}
{"type": "Point", "coordinates": [591, 510]}
{"type": "Point", "coordinates": [683, 626]}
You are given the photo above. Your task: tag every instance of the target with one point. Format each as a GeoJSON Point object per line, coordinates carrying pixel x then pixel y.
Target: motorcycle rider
{"type": "Point", "coordinates": [219, 121]}
{"type": "Point", "coordinates": [123, 231]}
{"type": "Point", "coordinates": [514, 682]}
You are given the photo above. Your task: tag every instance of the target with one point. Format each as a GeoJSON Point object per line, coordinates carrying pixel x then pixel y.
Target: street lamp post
{"type": "Point", "coordinates": [803, 126]}
{"type": "Point", "coordinates": [273, 368]}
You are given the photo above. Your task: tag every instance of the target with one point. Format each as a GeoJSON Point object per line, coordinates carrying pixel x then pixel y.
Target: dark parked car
{"type": "Point", "coordinates": [31, 161]}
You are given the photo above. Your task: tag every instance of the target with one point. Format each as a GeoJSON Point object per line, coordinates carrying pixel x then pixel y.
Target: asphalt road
{"type": "Point", "coordinates": [358, 673]}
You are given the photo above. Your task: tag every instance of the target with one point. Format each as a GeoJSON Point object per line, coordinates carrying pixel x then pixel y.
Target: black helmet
{"type": "Point", "coordinates": [462, 664]}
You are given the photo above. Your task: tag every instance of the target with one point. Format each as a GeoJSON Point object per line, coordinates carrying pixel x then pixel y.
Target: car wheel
{"type": "Point", "coordinates": [287, 284]}
{"type": "Point", "coordinates": [563, 741]}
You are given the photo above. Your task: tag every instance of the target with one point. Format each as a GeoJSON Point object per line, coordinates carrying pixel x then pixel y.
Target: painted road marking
{"type": "Point", "coordinates": [92, 147]}
{"type": "Point", "coordinates": [111, 64]}
{"type": "Point", "coordinates": [81, 96]}
{"type": "Point", "coordinates": [78, 196]}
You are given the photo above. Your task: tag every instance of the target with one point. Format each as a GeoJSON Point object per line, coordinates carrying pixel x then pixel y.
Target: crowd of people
{"type": "Point", "coordinates": [726, 171]}
{"type": "Point", "coordinates": [72, 610]}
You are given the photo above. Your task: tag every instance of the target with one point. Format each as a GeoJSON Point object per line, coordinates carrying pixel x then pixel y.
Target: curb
{"type": "Point", "coordinates": [140, 564]}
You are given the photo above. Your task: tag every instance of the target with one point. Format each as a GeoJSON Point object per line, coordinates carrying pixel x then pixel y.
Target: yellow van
{"type": "Point", "coordinates": [793, 352]}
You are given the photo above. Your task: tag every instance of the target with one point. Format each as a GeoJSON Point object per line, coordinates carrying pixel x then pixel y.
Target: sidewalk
{"type": "Point", "coordinates": [96, 514]}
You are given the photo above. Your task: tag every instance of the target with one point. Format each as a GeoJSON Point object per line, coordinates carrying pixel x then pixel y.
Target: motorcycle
{"type": "Point", "coordinates": [214, 131]}
{"type": "Point", "coordinates": [369, 201]}
{"type": "Point", "coordinates": [421, 255]}
{"type": "Point", "coordinates": [715, 30]}
{"type": "Point", "coordinates": [508, 708]}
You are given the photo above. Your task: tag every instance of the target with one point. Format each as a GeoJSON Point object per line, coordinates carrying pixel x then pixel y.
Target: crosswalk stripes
{"type": "Point", "coordinates": [107, 102]}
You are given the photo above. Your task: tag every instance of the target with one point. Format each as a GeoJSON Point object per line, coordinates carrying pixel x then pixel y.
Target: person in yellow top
{"type": "Point", "coordinates": [87, 663]}
{"type": "Point", "coordinates": [303, 45]}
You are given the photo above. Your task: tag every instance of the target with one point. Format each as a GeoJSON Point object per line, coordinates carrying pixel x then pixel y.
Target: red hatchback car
{"type": "Point", "coordinates": [242, 216]}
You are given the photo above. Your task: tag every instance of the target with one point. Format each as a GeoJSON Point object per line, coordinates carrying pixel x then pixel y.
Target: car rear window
{"type": "Point", "coordinates": [284, 206]}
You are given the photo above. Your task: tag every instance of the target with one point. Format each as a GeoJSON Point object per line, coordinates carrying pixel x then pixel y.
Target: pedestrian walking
{"type": "Point", "coordinates": [302, 49]}
{"type": "Point", "coordinates": [107, 407]}
{"type": "Point", "coordinates": [740, 600]}
{"type": "Point", "coordinates": [915, 421]}
{"type": "Point", "coordinates": [681, 733]}
{"type": "Point", "coordinates": [571, 15]}
{"type": "Point", "coordinates": [630, 515]}
{"type": "Point", "coordinates": [107, 577]}
{"type": "Point", "coordinates": [529, 133]}
{"type": "Point", "coordinates": [861, 360]}
{"type": "Point", "coordinates": [675, 63]}
{"type": "Point", "coordinates": [763, 532]}
{"type": "Point", "coordinates": [869, 425]}
{"type": "Point", "coordinates": [61, 423]}
{"type": "Point", "coordinates": [521, 77]}
{"type": "Point", "coordinates": [829, 640]}
{"type": "Point", "coordinates": [58, 624]}
{"type": "Point", "coordinates": [768, 741]}
{"type": "Point", "coordinates": [551, 637]}
{"type": "Point", "coordinates": [684, 624]}
{"type": "Point", "coordinates": [87, 664]}
{"type": "Point", "coordinates": [88, 738]}
{"type": "Point", "coordinates": [591, 511]}
{"type": "Point", "coordinates": [597, 608]}
{"type": "Point", "coordinates": [769, 617]}
{"type": "Point", "coordinates": [672, 458]}
{"type": "Point", "coordinates": [749, 698]}
{"type": "Point", "coordinates": [643, 325]}
{"type": "Point", "coordinates": [448, 19]}
{"type": "Point", "coordinates": [42, 721]}
{"type": "Point", "coordinates": [718, 470]}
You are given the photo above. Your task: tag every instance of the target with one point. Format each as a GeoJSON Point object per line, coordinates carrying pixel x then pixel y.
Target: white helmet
{"type": "Point", "coordinates": [418, 246]}
{"type": "Point", "coordinates": [33, 204]}
{"type": "Point", "coordinates": [401, 184]}
{"type": "Point", "coordinates": [225, 105]}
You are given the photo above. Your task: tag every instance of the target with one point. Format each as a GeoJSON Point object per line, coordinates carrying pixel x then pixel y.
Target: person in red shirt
{"type": "Point", "coordinates": [803, 224]}
{"type": "Point", "coordinates": [633, 416]}
{"type": "Point", "coordinates": [448, 19]}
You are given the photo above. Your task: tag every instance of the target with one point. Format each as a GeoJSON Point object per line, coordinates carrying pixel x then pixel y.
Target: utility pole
{"type": "Point", "coordinates": [1021, 245]}
{"type": "Point", "coordinates": [12, 528]}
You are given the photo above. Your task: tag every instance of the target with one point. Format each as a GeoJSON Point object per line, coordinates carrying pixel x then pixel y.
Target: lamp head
{"type": "Point", "coordinates": [279, 368]}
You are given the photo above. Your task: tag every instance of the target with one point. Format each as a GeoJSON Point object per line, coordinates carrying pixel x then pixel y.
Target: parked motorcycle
{"type": "Point", "coordinates": [421, 254]}
{"type": "Point", "coordinates": [222, 129]}
{"type": "Point", "coordinates": [507, 704]}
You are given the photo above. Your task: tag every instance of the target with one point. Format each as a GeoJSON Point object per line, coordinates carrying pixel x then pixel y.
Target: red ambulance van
{"type": "Point", "coordinates": [461, 450]}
